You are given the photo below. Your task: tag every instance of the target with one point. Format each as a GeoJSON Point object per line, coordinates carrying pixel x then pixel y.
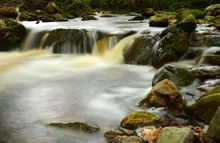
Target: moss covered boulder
{"type": "Point", "coordinates": [148, 12]}
{"type": "Point", "coordinates": [159, 20]}
{"type": "Point", "coordinates": [80, 126]}
{"type": "Point", "coordinates": [214, 127]}
{"type": "Point", "coordinates": [165, 94]}
{"type": "Point", "coordinates": [140, 51]}
{"type": "Point", "coordinates": [212, 10]}
{"type": "Point", "coordinates": [138, 119]}
{"type": "Point", "coordinates": [187, 22]}
{"type": "Point", "coordinates": [176, 135]}
{"type": "Point", "coordinates": [11, 34]}
{"type": "Point", "coordinates": [205, 107]}
{"type": "Point", "coordinates": [178, 75]}
{"type": "Point", "coordinates": [172, 46]}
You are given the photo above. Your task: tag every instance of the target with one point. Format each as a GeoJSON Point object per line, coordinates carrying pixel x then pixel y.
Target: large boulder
{"type": "Point", "coordinates": [205, 107]}
{"type": "Point", "coordinates": [176, 135]}
{"type": "Point", "coordinates": [187, 22]}
{"type": "Point", "coordinates": [11, 34]}
{"type": "Point", "coordinates": [140, 51]}
{"type": "Point", "coordinates": [212, 10]}
{"type": "Point", "coordinates": [159, 20]}
{"type": "Point", "coordinates": [165, 94]}
{"type": "Point", "coordinates": [138, 119]}
{"type": "Point", "coordinates": [214, 127]}
{"type": "Point", "coordinates": [172, 46]}
{"type": "Point", "coordinates": [178, 75]}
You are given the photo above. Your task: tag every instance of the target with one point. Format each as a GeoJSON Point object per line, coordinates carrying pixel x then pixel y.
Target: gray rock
{"type": "Point", "coordinates": [214, 127]}
{"type": "Point", "coordinates": [176, 135]}
{"type": "Point", "coordinates": [109, 135]}
{"type": "Point", "coordinates": [178, 75]}
{"type": "Point", "coordinates": [205, 71]}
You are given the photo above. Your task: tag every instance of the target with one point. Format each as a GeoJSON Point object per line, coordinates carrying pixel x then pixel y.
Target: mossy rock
{"type": "Point", "coordinates": [59, 17]}
{"type": "Point", "coordinates": [148, 12]}
{"type": "Point", "coordinates": [172, 46]}
{"type": "Point", "coordinates": [81, 126]}
{"type": "Point", "coordinates": [214, 127]}
{"type": "Point", "coordinates": [205, 71]}
{"type": "Point", "coordinates": [52, 8]}
{"type": "Point", "coordinates": [211, 10]}
{"type": "Point", "coordinates": [205, 107]}
{"type": "Point", "coordinates": [159, 20]}
{"type": "Point", "coordinates": [138, 119]}
{"type": "Point", "coordinates": [165, 94]}
{"type": "Point", "coordinates": [179, 76]}
{"type": "Point", "coordinates": [188, 24]}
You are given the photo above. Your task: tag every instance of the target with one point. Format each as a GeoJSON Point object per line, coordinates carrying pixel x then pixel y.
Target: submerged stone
{"type": "Point", "coordinates": [178, 75]}
{"type": "Point", "coordinates": [165, 94]}
{"type": "Point", "coordinates": [214, 127]}
{"type": "Point", "coordinates": [109, 135]}
{"type": "Point", "coordinates": [205, 107]}
{"type": "Point", "coordinates": [81, 126]}
{"type": "Point", "coordinates": [138, 119]}
{"type": "Point", "coordinates": [176, 135]}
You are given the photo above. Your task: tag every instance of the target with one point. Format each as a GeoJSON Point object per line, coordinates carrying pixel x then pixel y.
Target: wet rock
{"type": "Point", "coordinates": [211, 57]}
{"type": "Point", "coordinates": [88, 17]}
{"type": "Point", "coordinates": [176, 135]}
{"type": "Point", "coordinates": [150, 134]}
{"type": "Point", "coordinates": [52, 8]}
{"type": "Point", "coordinates": [148, 12]}
{"type": "Point", "coordinates": [138, 119]}
{"type": "Point", "coordinates": [137, 18]}
{"type": "Point", "coordinates": [165, 94]}
{"type": "Point", "coordinates": [212, 10]}
{"type": "Point", "coordinates": [205, 71]}
{"type": "Point", "coordinates": [112, 134]}
{"type": "Point", "coordinates": [80, 126]}
{"type": "Point", "coordinates": [178, 75]}
{"type": "Point", "coordinates": [26, 16]}
{"type": "Point", "coordinates": [214, 127]}
{"type": "Point", "coordinates": [187, 22]}
{"type": "Point", "coordinates": [217, 22]}
{"type": "Point", "coordinates": [11, 34]}
{"type": "Point", "coordinates": [8, 11]}
{"type": "Point", "coordinates": [140, 51]}
{"type": "Point", "coordinates": [134, 14]}
{"type": "Point", "coordinates": [159, 20]}
{"type": "Point", "coordinates": [172, 46]}
{"type": "Point", "coordinates": [59, 17]}
{"type": "Point", "coordinates": [205, 107]}
{"type": "Point", "coordinates": [209, 84]}
{"type": "Point", "coordinates": [126, 139]}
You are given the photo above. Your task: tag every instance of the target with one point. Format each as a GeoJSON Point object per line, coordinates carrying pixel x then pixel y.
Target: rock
{"type": "Point", "coordinates": [148, 12]}
{"type": "Point", "coordinates": [126, 139]}
{"type": "Point", "coordinates": [217, 22]}
{"type": "Point", "coordinates": [11, 34]}
{"type": "Point", "coordinates": [134, 14]}
{"type": "Point", "coordinates": [8, 11]}
{"type": "Point", "coordinates": [187, 23]}
{"type": "Point", "coordinates": [140, 51]}
{"type": "Point", "coordinates": [176, 135]}
{"type": "Point", "coordinates": [59, 17]}
{"type": "Point", "coordinates": [136, 18]}
{"type": "Point", "coordinates": [214, 127]}
{"type": "Point", "coordinates": [205, 71]}
{"type": "Point", "coordinates": [178, 75]}
{"type": "Point", "coordinates": [172, 46]}
{"type": "Point", "coordinates": [107, 15]}
{"type": "Point", "coordinates": [165, 94]}
{"type": "Point", "coordinates": [26, 16]}
{"type": "Point", "coordinates": [209, 84]}
{"type": "Point", "coordinates": [211, 57]}
{"type": "Point", "coordinates": [205, 107]}
{"type": "Point", "coordinates": [88, 17]}
{"type": "Point", "coordinates": [197, 13]}
{"type": "Point", "coordinates": [112, 134]}
{"type": "Point", "coordinates": [52, 8]}
{"type": "Point", "coordinates": [81, 126]}
{"type": "Point", "coordinates": [212, 10]}
{"type": "Point", "coordinates": [138, 119]}
{"type": "Point", "coordinates": [159, 20]}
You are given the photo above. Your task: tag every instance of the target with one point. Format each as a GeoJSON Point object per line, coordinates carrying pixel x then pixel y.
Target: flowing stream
{"type": "Point", "coordinates": [38, 87]}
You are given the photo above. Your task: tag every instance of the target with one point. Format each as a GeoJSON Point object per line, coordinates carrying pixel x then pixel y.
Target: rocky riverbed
{"type": "Point", "coordinates": [188, 92]}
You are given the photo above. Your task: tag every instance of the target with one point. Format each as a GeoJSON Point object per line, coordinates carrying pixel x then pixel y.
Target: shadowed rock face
{"type": "Point", "coordinates": [11, 34]}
